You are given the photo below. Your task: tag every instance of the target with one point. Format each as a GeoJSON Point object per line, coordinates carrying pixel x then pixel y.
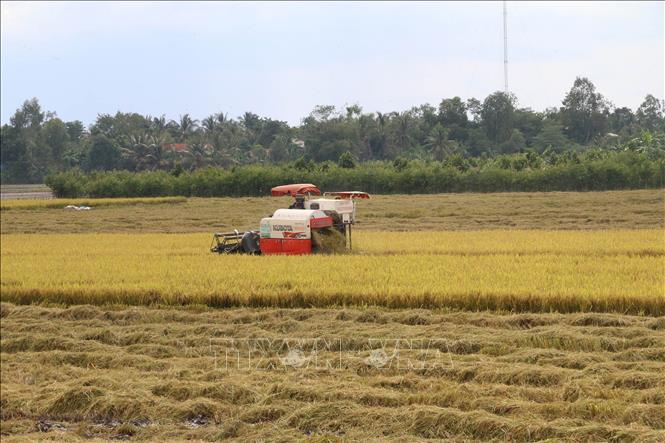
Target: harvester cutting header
{"type": "Point", "coordinates": [307, 226]}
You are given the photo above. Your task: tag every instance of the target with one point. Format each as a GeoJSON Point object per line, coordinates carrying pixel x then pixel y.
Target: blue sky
{"type": "Point", "coordinates": [281, 59]}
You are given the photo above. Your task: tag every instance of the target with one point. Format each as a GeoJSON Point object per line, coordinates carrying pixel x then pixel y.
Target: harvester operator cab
{"type": "Point", "coordinates": [299, 202]}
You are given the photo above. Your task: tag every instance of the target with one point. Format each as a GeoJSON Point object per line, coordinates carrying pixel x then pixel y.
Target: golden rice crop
{"type": "Point", "coordinates": [566, 271]}
{"type": "Point", "coordinates": [492, 242]}
{"type": "Point", "coordinates": [92, 202]}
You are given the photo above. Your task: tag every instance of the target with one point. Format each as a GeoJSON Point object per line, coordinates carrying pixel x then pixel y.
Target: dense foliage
{"type": "Point", "coordinates": [593, 170]}
{"type": "Point", "coordinates": [459, 145]}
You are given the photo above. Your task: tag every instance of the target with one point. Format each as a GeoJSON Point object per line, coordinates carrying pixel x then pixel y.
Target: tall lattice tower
{"type": "Point", "coordinates": [505, 47]}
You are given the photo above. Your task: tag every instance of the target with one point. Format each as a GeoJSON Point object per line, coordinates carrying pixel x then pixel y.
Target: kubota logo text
{"type": "Point", "coordinates": [282, 228]}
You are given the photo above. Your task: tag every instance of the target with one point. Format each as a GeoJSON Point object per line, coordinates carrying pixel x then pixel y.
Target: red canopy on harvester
{"type": "Point", "coordinates": [293, 190]}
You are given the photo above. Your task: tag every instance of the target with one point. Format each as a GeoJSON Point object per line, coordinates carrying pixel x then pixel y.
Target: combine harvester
{"type": "Point", "coordinates": [307, 226]}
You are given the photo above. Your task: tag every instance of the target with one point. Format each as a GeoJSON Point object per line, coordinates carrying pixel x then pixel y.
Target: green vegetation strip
{"type": "Point", "coordinates": [592, 171]}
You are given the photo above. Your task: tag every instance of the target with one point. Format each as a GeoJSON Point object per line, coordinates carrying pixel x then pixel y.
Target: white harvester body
{"type": "Point", "coordinates": [345, 208]}
{"type": "Point", "coordinates": [292, 223]}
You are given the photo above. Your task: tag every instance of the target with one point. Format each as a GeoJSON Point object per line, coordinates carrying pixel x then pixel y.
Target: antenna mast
{"type": "Point", "coordinates": [505, 47]}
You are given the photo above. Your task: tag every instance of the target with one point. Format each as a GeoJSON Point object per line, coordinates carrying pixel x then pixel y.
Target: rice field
{"type": "Point", "coordinates": [538, 271]}
{"type": "Point", "coordinates": [471, 317]}
{"type": "Point", "coordinates": [611, 210]}
{"type": "Point", "coordinates": [93, 373]}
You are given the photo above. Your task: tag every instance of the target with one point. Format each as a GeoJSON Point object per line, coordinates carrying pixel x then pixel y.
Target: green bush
{"type": "Point", "coordinates": [622, 170]}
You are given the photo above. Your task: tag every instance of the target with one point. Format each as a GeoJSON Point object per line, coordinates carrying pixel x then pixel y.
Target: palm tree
{"type": "Point", "coordinates": [143, 152]}
{"type": "Point", "coordinates": [353, 110]}
{"type": "Point", "coordinates": [186, 127]}
{"type": "Point", "coordinates": [252, 125]}
{"type": "Point", "coordinates": [221, 118]}
{"type": "Point", "coordinates": [382, 120]}
{"type": "Point", "coordinates": [402, 130]}
{"type": "Point", "coordinates": [199, 153]}
{"type": "Point", "coordinates": [209, 124]}
{"type": "Point", "coordinates": [133, 153]}
{"type": "Point", "coordinates": [438, 143]}
{"type": "Point", "coordinates": [160, 125]}
{"type": "Point", "coordinates": [366, 123]}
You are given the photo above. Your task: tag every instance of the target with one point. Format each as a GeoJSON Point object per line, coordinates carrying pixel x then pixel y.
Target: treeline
{"type": "Point", "coordinates": [594, 170]}
{"type": "Point", "coordinates": [36, 143]}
